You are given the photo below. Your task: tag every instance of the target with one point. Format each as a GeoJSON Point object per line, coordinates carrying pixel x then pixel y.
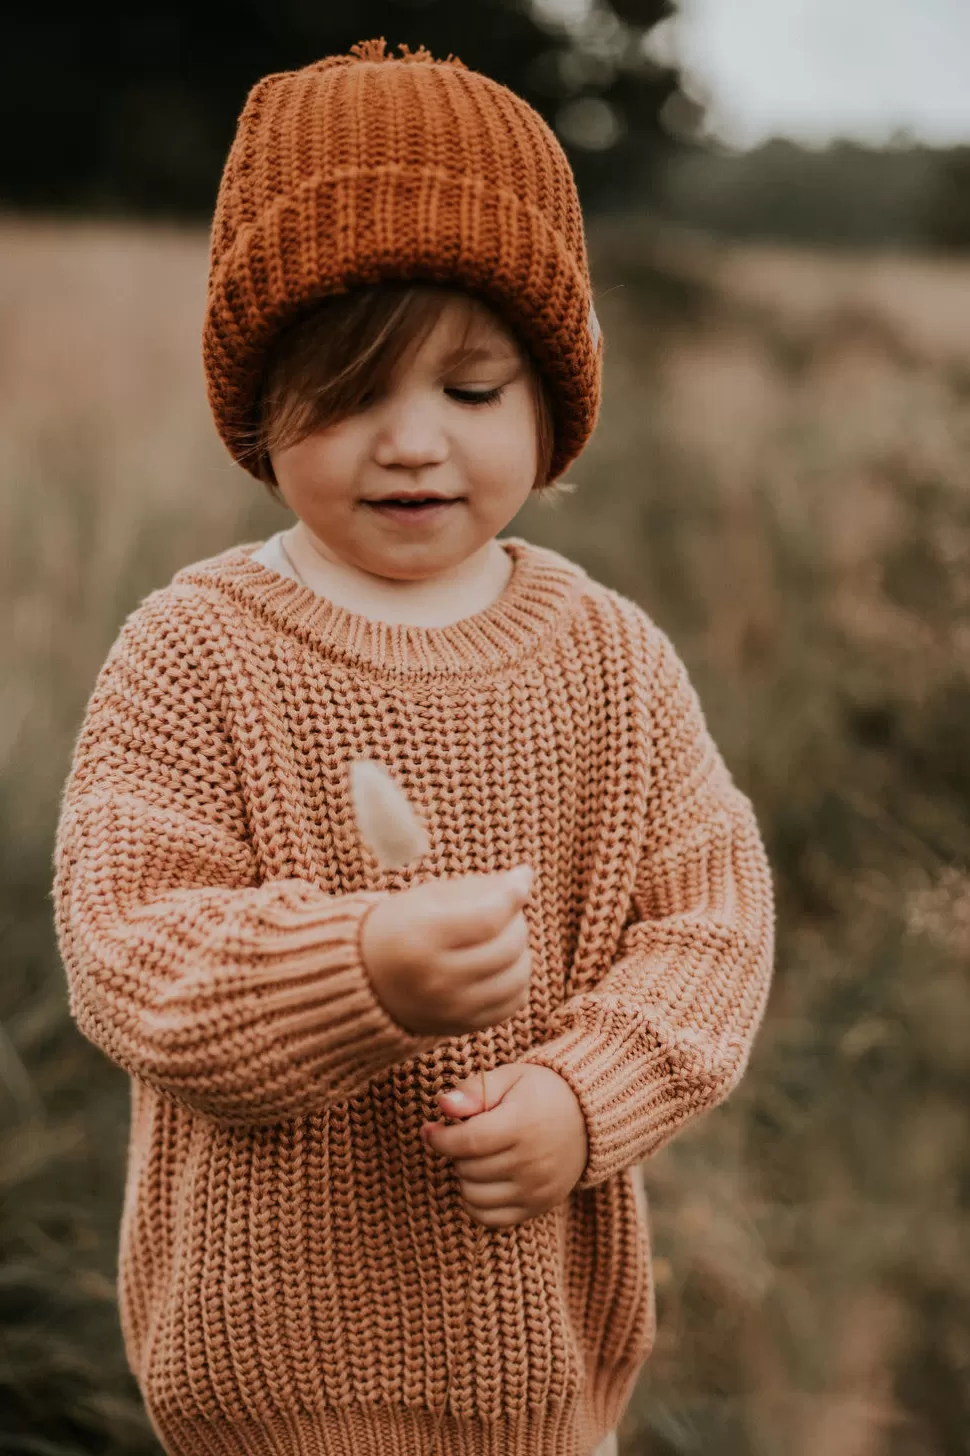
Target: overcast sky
{"type": "Point", "coordinates": [817, 69]}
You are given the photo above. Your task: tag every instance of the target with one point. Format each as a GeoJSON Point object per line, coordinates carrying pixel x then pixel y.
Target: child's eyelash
{"type": "Point", "coordinates": [473, 396]}
{"type": "Point", "coordinates": [462, 396]}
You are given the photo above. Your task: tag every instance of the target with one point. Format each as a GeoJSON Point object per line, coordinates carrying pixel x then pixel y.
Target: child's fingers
{"type": "Point", "coordinates": [480, 1137]}
{"type": "Point", "coordinates": [491, 1195]}
{"type": "Point", "coordinates": [478, 907]}
{"type": "Point", "coordinates": [467, 1102]}
{"type": "Point", "coordinates": [499, 1168]}
{"type": "Point", "coordinates": [499, 1218]}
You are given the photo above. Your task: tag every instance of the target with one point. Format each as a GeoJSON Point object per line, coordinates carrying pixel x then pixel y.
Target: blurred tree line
{"type": "Point", "coordinates": [842, 195]}
{"type": "Point", "coordinates": [131, 108]}
{"type": "Point", "coordinates": [120, 109]}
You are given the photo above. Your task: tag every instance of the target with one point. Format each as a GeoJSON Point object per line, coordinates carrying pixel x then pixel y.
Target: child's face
{"type": "Point", "coordinates": [432, 430]}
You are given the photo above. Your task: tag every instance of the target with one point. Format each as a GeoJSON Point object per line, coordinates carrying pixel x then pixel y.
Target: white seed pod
{"type": "Point", "coordinates": [387, 823]}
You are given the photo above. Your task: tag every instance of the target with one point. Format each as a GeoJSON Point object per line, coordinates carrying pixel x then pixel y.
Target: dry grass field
{"type": "Point", "coordinates": [781, 476]}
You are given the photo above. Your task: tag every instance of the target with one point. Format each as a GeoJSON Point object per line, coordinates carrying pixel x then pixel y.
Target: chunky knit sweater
{"type": "Point", "coordinates": [294, 1263]}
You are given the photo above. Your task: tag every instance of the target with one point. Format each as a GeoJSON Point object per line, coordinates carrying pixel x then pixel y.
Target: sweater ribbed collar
{"type": "Point", "coordinates": [539, 599]}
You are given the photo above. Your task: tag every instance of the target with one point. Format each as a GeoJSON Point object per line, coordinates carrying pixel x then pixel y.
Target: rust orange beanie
{"type": "Point", "coordinates": [368, 166]}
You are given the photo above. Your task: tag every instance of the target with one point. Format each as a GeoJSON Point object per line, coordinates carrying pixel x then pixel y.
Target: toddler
{"type": "Point", "coordinates": [332, 1243]}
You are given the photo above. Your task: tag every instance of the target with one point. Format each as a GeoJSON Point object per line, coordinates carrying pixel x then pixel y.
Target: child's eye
{"type": "Point", "coordinates": [476, 396]}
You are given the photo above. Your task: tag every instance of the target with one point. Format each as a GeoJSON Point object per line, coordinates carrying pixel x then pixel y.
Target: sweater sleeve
{"type": "Point", "coordinates": [246, 1001]}
{"type": "Point", "coordinates": [667, 1033]}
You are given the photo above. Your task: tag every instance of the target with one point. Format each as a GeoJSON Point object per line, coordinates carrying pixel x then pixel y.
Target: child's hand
{"type": "Point", "coordinates": [521, 1157]}
{"type": "Point", "coordinates": [447, 957]}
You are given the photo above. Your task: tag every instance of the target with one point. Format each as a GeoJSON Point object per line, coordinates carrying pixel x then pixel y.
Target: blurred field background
{"type": "Point", "coordinates": [781, 477]}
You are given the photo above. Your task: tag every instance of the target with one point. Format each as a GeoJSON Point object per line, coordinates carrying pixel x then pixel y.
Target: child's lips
{"type": "Point", "coordinates": [430, 511]}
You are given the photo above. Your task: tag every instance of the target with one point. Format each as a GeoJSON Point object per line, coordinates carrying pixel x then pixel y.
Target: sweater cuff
{"type": "Point", "coordinates": [630, 1109]}
{"type": "Point", "coordinates": [314, 986]}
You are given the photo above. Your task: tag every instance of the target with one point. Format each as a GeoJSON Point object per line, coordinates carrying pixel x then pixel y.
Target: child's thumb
{"type": "Point", "coordinates": [520, 879]}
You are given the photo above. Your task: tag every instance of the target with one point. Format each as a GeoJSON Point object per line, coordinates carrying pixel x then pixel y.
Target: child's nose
{"type": "Point", "coordinates": [411, 433]}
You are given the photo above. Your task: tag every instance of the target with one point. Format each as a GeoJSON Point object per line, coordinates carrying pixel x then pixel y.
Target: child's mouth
{"type": "Point", "coordinates": [425, 510]}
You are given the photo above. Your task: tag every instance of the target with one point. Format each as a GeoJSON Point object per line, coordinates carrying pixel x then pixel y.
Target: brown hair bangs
{"type": "Point", "coordinates": [323, 365]}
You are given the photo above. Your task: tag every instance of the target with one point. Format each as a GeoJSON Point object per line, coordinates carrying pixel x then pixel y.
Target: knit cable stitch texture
{"type": "Point", "coordinates": [294, 1264]}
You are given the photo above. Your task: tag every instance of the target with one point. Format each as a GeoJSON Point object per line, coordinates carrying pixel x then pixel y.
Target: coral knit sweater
{"type": "Point", "coordinates": [294, 1263]}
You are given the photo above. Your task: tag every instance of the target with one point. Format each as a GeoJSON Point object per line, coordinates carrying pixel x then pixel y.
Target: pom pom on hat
{"type": "Point", "coordinates": [374, 50]}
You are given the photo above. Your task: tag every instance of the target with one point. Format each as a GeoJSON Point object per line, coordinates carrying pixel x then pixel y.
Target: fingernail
{"type": "Point", "coordinates": [458, 1099]}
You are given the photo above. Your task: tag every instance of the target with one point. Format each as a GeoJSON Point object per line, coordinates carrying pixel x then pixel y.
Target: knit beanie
{"type": "Point", "coordinates": [368, 166]}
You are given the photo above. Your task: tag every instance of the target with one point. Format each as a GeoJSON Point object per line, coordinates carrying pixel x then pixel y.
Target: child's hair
{"type": "Point", "coordinates": [320, 367]}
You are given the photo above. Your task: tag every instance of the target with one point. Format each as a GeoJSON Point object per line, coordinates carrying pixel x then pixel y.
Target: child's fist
{"type": "Point", "coordinates": [522, 1156]}
{"type": "Point", "coordinates": [451, 956]}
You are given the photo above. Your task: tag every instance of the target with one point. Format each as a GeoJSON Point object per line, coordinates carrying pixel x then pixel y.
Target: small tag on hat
{"type": "Point", "coordinates": [593, 324]}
